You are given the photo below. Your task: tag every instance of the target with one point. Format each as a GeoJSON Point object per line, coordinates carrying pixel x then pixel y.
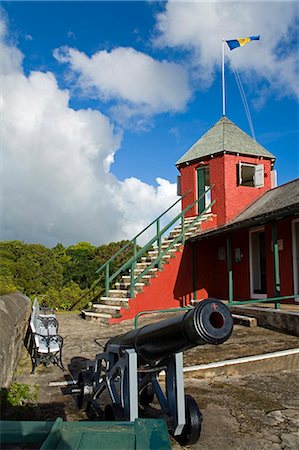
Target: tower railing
{"type": "Point", "coordinates": [130, 264]}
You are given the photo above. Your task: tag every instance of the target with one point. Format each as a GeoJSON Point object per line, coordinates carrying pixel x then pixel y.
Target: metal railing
{"type": "Point", "coordinates": [157, 238]}
{"type": "Point", "coordinates": [275, 300]}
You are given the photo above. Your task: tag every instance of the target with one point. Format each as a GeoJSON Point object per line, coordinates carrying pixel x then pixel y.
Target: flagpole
{"type": "Point", "coordinates": [223, 80]}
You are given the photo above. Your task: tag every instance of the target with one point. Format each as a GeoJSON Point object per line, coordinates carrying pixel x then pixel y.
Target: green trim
{"type": "Point", "coordinates": [200, 176]}
{"type": "Point", "coordinates": [178, 239]}
{"type": "Point", "coordinates": [141, 232]}
{"type": "Point", "coordinates": [131, 263]}
{"type": "Point", "coordinates": [262, 300]}
{"type": "Point", "coordinates": [229, 269]}
{"type": "Point", "coordinates": [194, 257]}
{"type": "Point", "coordinates": [159, 244]}
{"type": "Point", "coordinates": [140, 434]}
{"type": "Point", "coordinates": [275, 262]}
{"type": "Point", "coordinates": [30, 432]}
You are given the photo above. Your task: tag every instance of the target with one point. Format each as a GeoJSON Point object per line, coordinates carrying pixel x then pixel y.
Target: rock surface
{"type": "Point", "coordinates": [15, 310]}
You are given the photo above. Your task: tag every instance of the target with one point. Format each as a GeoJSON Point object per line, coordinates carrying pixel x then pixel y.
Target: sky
{"type": "Point", "coordinates": [100, 99]}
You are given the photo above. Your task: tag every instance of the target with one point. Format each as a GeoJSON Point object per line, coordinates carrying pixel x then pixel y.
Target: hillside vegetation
{"type": "Point", "coordinates": [60, 277]}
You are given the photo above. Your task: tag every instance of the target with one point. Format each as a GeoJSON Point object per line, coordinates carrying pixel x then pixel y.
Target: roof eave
{"type": "Point", "coordinates": [230, 152]}
{"type": "Point", "coordinates": [259, 219]}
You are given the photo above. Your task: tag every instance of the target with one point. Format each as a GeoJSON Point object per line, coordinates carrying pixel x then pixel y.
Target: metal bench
{"type": "Point", "coordinates": [46, 343]}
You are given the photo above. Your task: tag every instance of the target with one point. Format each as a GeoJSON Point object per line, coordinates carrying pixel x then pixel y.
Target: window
{"type": "Point", "coordinates": [203, 188]}
{"type": "Point", "coordinates": [251, 175]}
{"type": "Point", "coordinates": [178, 185]}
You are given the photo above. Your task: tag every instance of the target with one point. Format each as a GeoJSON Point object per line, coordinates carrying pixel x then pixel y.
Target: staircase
{"type": "Point", "coordinates": [145, 267]}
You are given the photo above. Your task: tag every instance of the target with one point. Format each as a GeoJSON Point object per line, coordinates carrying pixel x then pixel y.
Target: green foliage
{"type": "Point", "coordinates": [81, 264]}
{"type": "Point", "coordinates": [33, 267]}
{"type": "Point", "coordinates": [60, 277]}
{"type": "Point", "coordinates": [18, 402]}
{"type": "Point", "coordinates": [7, 285]}
{"type": "Point", "coordinates": [21, 394]}
{"type": "Point", "coordinates": [67, 298]}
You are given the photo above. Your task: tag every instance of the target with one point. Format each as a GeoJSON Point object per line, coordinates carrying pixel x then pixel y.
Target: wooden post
{"type": "Point", "coordinates": [229, 269]}
{"type": "Point", "coordinates": [276, 264]}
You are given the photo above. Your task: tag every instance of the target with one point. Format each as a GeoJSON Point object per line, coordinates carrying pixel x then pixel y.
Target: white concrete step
{"type": "Point", "coordinates": [175, 234]}
{"type": "Point", "coordinates": [122, 302]}
{"type": "Point", "coordinates": [138, 287]}
{"type": "Point", "coordinates": [151, 272]}
{"type": "Point", "coordinates": [166, 243]}
{"type": "Point", "coordinates": [119, 293]}
{"type": "Point", "coordinates": [145, 279]}
{"type": "Point", "coordinates": [140, 266]}
{"type": "Point", "coordinates": [244, 320]}
{"type": "Point", "coordinates": [96, 316]}
{"type": "Point", "coordinates": [154, 253]}
{"type": "Point", "coordinates": [113, 311]}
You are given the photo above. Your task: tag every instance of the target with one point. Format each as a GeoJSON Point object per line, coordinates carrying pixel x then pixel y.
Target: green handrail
{"type": "Point", "coordinates": [106, 265]}
{"type": "Point", "coordinates": [172, 244]}
{"type": "Point", "coordinates": [275, 300]}
{"type": "Point", "coordinates": [141, 232]}
{"type": "Point", "coordinates": [131, 263]}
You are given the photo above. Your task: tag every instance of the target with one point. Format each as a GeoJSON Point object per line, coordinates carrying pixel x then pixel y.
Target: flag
{"type": "Point", "coordinates": [234, 43]}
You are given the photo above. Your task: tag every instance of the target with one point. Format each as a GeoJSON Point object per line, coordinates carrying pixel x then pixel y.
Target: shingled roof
{"type": "Point", "coordinates": [224, 136]}
{"type": "Point", "coordinates": [283, 201]}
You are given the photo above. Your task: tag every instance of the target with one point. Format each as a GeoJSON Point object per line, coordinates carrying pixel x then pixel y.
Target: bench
{"type": "Point", "coordinates": [46, 343]}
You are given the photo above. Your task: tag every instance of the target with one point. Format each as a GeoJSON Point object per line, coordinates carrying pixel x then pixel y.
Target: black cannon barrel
{"type": "Point", "coordinates": [210, 322]}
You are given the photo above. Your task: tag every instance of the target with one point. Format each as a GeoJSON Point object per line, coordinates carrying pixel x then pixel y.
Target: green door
{"type": "Point", "coordinates": [201, 189]}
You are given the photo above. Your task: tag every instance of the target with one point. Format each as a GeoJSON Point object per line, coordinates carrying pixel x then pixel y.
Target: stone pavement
{"type": "Point", "coordinates": [257, 412]}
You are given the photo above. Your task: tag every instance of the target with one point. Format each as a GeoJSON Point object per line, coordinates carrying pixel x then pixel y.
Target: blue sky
{"type": "Point", "coordinates": [126, 88]}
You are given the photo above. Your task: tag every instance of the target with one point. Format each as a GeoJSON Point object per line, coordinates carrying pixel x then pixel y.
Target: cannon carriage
{"type": "Point", "coordinates": [125, 381]}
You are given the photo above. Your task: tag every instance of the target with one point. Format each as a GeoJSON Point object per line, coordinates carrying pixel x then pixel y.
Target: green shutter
{"type": "Point", "coordinates": [201, 189]}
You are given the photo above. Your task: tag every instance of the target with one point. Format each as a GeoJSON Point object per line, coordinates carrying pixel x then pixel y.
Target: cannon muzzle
{"type": "Point", "coordinates": [210, 322]}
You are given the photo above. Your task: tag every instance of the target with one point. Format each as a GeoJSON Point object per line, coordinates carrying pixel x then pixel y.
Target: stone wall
{"type": "Point", "coordinates": [274, 319]}
{"type": "Point", "coordinates": [15, 310]}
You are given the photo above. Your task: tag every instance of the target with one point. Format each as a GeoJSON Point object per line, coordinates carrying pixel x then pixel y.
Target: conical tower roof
{"type": "Point", "coordinates": [224, 136]}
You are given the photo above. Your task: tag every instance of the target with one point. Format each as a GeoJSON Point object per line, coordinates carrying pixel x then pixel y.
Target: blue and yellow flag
{"type": "Point", "coordinates": [234, 43]}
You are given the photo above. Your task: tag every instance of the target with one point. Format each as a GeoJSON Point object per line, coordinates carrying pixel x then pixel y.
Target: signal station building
{"type": "Point", "coordinates": [250, 247]}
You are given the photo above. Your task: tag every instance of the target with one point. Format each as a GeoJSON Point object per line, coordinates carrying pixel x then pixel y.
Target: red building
{"type": "Point", "coordinates": [251, 248]}
{"type": "Point", "coordinates": [247, 249]}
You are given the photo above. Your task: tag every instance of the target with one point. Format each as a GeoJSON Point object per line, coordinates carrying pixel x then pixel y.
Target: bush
{"type": "Point", "coordinates": [67, 298]}
{"type": "Point", "coordinates": [62, 278]}
{"type": "Point", "coordinates": [7, 285]}
{"type": "Point", "coordinates": [19, 401]}
{"type": "Point", "coordinates": [21, 395]}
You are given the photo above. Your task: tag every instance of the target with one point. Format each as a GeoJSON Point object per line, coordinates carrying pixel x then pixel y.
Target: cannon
{"type": "Point", "coordinates": [125, 381]}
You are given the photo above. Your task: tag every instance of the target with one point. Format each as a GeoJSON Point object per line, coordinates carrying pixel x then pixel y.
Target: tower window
{"type": "Point", "coordinates": [251, 175]}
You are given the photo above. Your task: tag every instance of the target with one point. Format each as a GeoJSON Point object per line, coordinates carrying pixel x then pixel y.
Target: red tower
{"type": "Point", "coordinates": [233, 164]}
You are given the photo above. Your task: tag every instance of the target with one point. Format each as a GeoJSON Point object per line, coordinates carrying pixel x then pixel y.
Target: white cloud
{"type": "Point", "coordinates": [200, 27]}
{"type": "Point", "coordinates": [129, 76]}
{"type": "Point", "coordinates": [55, 180]}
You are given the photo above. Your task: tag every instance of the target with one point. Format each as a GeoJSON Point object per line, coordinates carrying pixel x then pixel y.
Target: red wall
{"type": "Point", "coordinates": [159, 294]}
{"type": "Point", "coordinates": [286, 258]}
{"type": "Point", "coordinates": [284, 233]}
{"type": "Point", "coordinates": [237, 198]}
{"type": "Point", "coordinates": [212, 273]}
{"type": "Point", "coordinates": [241, 274]}
{"type": "Point", "coordinates": [231, 199]}
{"type": "Point", "coordinates": [173, 287]}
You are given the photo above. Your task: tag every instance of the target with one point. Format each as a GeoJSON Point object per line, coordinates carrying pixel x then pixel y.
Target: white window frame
{"type": "Point", "coordinates": [294, 250]}
{"type": "Point", "coordinates": [253, 295]}
{"type": "Point", "coordinates": [257, 167]}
